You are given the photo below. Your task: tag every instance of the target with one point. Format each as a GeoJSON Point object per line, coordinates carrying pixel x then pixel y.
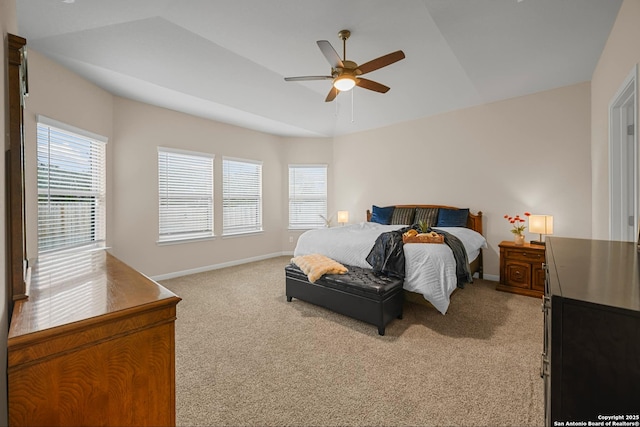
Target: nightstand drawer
{"type": "Point", "coordinates": [527, 255]}
{"type": "Point", "coordinates": [517, 274]}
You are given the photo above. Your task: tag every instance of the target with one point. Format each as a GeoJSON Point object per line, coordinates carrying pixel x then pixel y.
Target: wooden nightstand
{"type": "Point", "coordinates": [521, 269]}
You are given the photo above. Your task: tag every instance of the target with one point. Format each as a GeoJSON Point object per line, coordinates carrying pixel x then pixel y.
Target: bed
{"type": "Point", "coordinates": [430, 269]}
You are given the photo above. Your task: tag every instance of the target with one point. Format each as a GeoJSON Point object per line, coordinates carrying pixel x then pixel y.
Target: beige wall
{"type": "Point", "coordinates": [305, 151]}
{"type": "Point", "coordinates": [138, 130]}
{"type": "Point", "coordinates": [620, 55]}
{"type": "Point", "coordinates": [8, 24]}
{"type": "Point", "coordinates": [510, 154]}
{"type": "Point", "coordinates": [59, 94]}
{"type": "Point", "coordinates": [524, 154]}
{"type": "Point", "coordinates": [135, 130]}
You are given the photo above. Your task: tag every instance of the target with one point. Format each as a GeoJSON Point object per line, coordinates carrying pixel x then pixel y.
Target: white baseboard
{"type": "Point", "coordinates": [247, 260]}
{"type": "Point", "coordinates": [217, 266]}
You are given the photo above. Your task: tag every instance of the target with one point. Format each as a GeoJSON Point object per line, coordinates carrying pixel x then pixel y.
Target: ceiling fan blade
{"type": "Point", "coordinates": [371, 85]}
{"type": "Point", "coordinates": [330, 53]}
{"type": "Point", "coordinates": [332, 94]}
{"type": "Point", "coordinates": [382, 61]}
{"type": "Point", "coordinates": [306, 78]}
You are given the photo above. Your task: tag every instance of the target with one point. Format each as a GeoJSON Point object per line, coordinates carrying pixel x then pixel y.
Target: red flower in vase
{"type": "Point", "coordinates": [518, 223]}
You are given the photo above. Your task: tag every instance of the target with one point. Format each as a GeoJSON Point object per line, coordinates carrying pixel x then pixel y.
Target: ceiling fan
{"type": "Point", "coordinates": [346, 74]}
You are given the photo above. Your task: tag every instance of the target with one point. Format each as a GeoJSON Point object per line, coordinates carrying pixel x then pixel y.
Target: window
{"type": "Point", "coordinates": [241, 196]}
{"type": "Point", "coordinates": [307, 196]}
{"type": "Point", "coordinates": [71, 186]}
{"type": "Point", "coordinates": [185, 194]}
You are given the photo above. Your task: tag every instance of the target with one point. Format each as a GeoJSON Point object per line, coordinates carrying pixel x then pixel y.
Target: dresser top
{"type": "Point", "coordinates": [598, 271]}
{"type": "Point", "coordinates": [65, 289]}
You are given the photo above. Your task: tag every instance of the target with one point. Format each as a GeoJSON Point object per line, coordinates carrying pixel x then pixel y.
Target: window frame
{"type": "Point", "coordinates": [322, 216]}
{"type": "Point", "coordinates": [193, 234]}
{"type": "Point", "coordinates": [95, 147]}
{"type": "Point", "coordinates": [257, 226]}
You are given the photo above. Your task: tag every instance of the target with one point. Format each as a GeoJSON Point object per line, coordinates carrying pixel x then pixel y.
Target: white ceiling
{"type": "Point", "coordinates": [226, 60]}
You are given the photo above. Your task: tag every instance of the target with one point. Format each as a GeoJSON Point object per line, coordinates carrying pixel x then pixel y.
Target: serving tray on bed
{"type": "Point", "coordinates": [423, 238]}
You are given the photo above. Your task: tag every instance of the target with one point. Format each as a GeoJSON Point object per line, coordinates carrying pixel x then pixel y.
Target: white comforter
{"type": "Point", "coordinates": [430, 269]}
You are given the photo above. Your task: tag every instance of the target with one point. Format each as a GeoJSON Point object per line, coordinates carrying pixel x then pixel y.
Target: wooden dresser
{"type": "Point", "coordinates": [591, 353]}
{"type": "Point", "coordinates": [94, 344]}
{"type": "Point", "coordinates": [521, 270]}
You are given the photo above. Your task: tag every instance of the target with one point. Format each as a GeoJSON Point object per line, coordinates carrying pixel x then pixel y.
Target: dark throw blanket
{"type": "Point", "coordinates": [387, 255]}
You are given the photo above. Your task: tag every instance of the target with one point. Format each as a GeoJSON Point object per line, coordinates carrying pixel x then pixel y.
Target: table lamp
{"type": "Point", "coordinates": [541, 224]}
{"type": "Point", "coordinates": [343, 217]}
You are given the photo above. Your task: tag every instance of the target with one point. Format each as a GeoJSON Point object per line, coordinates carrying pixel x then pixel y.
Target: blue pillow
{"type": "Point", "coordinates": [382, 215]}
{"type": "Point", "coordinates": [452, 217]}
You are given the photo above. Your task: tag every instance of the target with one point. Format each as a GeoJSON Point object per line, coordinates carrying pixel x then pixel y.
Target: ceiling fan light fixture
{"type": "Point", "coordinates": [344, 83]}
{"type": "Point", "coordinates": [345, 74]}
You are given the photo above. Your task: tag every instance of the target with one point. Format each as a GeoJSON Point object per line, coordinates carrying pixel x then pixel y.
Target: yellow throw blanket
{"type": "Point", "coordinates": [316, 265]}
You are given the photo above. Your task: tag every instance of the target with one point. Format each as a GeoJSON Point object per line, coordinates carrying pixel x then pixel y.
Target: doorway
{"type": "Point", "coordinates": [623, 161]}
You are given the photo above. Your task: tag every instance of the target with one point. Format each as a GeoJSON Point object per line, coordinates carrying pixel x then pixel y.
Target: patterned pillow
{"type": "Point", "coordinates": [403, 216]}
{"type": "Point", "coordinates": [428, 215]}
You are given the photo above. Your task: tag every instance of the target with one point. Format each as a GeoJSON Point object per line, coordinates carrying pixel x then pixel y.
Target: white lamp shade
{"type": "Point", "coordinates": [541, 224]}
{"type": "Point", "coordinates": [343, 216]}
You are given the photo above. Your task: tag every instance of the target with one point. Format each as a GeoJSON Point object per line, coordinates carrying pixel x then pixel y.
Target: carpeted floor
{"type": "Point", "coordinates": [247, 357]}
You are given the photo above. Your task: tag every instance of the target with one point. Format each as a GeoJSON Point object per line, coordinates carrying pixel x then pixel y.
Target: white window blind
{"type": "Point", "coordinates": [307, 196]}
{"type": "Point", "coordinates": [71, 187]}
{"type": "Point", "coordinates": [241, 196]}
{"type": "Point", "coordinates": [185, 194]}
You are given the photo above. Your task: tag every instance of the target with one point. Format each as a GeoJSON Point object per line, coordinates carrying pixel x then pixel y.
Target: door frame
{"type": "Point", "coordinates": [618, 121]}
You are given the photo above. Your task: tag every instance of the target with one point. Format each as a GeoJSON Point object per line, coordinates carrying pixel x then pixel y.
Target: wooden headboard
{"type": "Point", "coordinates": [474, 221]}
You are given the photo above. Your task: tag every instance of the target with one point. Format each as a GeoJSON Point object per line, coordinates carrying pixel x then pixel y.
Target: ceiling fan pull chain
{"type": "Point", "coordinates": [352, 120]}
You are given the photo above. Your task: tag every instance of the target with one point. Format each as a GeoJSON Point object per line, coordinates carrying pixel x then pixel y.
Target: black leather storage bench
{"type": "Point", "coordinates": [358, 294]}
